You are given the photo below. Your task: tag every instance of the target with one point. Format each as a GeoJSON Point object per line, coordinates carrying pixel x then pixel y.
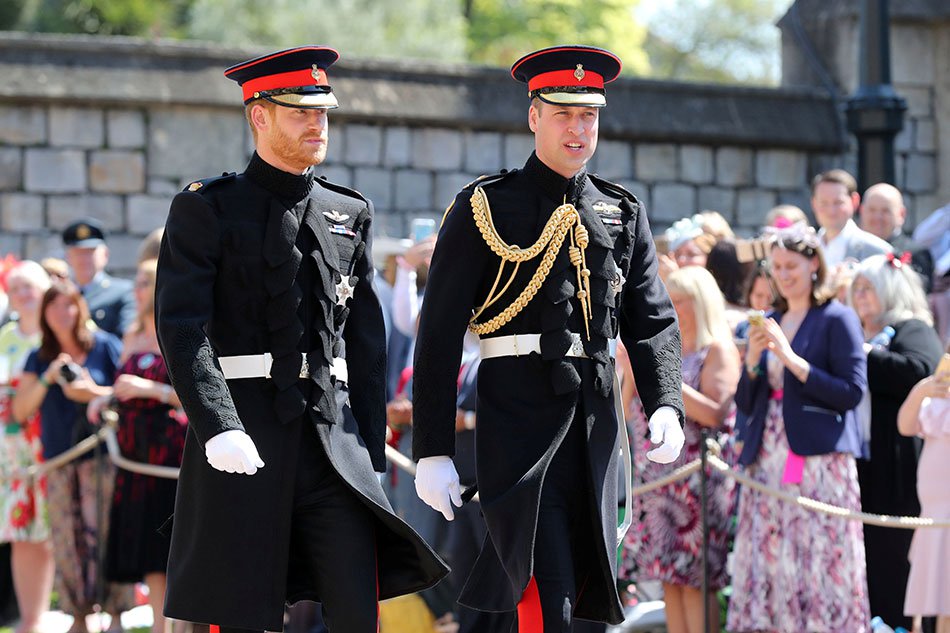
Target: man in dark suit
{"type": "Point", "coordinates": [274, 340]}
{"type": "Point", "coordinates": [548, 433]}
{"type": "Point", "coordinates": [110, 299]}
{"type": "Point", "coordinates": [883, 214]}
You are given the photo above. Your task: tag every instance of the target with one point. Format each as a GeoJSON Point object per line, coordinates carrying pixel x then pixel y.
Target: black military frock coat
{"type": "Point", "coordinates": [252, 263]}
{"type": "Point", "coordinates": [527, 404]}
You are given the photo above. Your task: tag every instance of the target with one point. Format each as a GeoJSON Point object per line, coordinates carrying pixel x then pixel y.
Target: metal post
{"type": "Point", "coordinates": [704, 500]}
{"type": "Point", "coordinates": [875, 112]}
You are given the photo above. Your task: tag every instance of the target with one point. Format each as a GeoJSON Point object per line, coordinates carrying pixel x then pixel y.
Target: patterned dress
{"type": "Point", "coordinates": [666, 539]}
{"type": "Point", "coordinates": [149, 432]}
{"type": "Point", "coordinates": [795, 569]}
{"type": "Point", "coordinates": [23, 515]}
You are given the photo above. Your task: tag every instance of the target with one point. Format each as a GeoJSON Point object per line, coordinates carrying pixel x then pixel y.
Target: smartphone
{"type": "Point", "coordinates": [756, 317]}
{"type": "Point", "coordinates": [421, 228]}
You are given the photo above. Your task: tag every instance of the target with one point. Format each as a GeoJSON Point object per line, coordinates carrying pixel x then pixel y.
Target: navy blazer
{"type": "Point", "coordinates": [819, 414]}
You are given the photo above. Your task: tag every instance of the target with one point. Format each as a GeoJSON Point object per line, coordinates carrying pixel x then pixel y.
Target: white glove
{"type": "Point", "coordinates": [233, 452]}
{"type": "Point", "coordinates": [437, 484]}
{"type": "Point", "coordinates": [666, 431]}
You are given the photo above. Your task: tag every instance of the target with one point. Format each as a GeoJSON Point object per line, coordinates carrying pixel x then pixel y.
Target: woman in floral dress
{"type": "Point", "coordinates": [151, 431]}
{"type": "Point", "coordinates": [23, 518]}
{"type": "Point", "coordinates": [666, 543]}
{"type": "Point", "coordinates": [805, 371]}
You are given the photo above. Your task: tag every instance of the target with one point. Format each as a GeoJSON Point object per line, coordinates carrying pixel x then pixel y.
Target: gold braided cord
{"type": "Point", "coordinates": [555, 230]}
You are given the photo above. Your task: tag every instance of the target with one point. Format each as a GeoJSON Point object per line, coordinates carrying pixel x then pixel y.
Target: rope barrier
{"type": "Point", "coordinates": [107, 435]}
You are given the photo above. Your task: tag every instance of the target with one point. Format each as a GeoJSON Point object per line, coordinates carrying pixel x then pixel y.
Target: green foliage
{"type": "Point", "coordinates": [500, 31]}
{"type": "Point", "coordinates": [103, 17]}
{"type": "Point", "coordinates": [715, 40]}
{"type": "Point", "coordinates": [421, 29]}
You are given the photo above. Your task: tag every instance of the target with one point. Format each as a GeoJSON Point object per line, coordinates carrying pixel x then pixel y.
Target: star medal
{"type": "Point", "coordinates": [344, 290]}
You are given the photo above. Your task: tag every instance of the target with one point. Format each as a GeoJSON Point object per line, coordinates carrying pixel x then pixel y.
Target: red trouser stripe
{"type": "Point", "coordinates": [529, 610]}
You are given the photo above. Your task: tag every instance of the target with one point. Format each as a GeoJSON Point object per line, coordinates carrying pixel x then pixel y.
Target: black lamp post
{"type": "Point", "coordinates": [875, 112]}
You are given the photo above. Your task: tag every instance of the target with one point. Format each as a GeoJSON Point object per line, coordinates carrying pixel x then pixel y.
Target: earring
{"type": "Point", "coordinates": [814, 277]}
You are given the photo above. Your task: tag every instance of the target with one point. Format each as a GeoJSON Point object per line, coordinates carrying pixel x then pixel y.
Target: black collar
{"type": "Point", "coordinates": [553, 184]}
{"type": "Point", "coordinates": [279, 182]}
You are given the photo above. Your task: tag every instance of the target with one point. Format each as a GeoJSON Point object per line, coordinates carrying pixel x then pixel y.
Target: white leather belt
{"type": "Point", "coordinates": [258, 366]}
{"type": "Point", "coordinates": [524, 344]}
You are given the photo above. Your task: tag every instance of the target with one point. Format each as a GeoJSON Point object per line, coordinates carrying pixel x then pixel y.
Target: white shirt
{"type": "Point", "coordinates": [836, 248]}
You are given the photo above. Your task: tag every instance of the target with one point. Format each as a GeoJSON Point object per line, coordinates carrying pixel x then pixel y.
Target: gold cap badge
{"type": "Point", "coordinates": [195, 186]}
{"type": "Point", "coordinates": [83, 232]}
{"type": "Point", "coordinates": [315, 72]}
{"type": "Point", "coordinates": [579, 72]}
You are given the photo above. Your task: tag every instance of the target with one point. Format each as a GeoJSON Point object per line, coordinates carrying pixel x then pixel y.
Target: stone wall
{"type": "Point", "coordinates": [113, 127]}
{"type": "Point", "coordinates": [920, 46]}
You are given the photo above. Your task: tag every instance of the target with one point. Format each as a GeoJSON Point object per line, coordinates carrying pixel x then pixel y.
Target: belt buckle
{"type": "Point", "coordinates": [304, 368]}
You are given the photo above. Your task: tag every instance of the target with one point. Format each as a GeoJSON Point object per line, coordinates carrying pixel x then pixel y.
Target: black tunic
{"type": "Point", "coordinates": [527, 404]}
{"type": "Point", "coordinates": [250, 263]}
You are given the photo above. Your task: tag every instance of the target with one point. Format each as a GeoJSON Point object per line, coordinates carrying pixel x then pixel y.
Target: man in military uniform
{"type": "Point", "coordinates": [547, 264]}
{"type": "Point", "coordinates": [274, 340]}
{"type": "Point", "coordinates": [110, 299]}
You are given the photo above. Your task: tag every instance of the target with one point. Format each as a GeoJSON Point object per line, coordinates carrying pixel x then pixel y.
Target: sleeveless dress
{"type": "Point", "coordinates": [666, 539]}
{"type": "Point", "coordinates": [794, 569]}
{"type": "Point", "coordinates": [149, 432]}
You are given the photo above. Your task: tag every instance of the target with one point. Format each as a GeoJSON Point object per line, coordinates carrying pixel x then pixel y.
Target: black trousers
{"type": "Point", "coordinates": [333, 538]}
{"type": "Point", "coordinates": [564, 520]}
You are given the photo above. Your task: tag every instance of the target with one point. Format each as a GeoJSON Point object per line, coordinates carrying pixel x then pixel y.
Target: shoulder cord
{"type": "Point", "coordinates": [555, 230]}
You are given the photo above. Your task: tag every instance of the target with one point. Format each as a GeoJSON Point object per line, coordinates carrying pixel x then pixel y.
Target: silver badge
{"type": "Point", "coordinates": [616, 283]}
{"type": "Point", "coordinates": [335, 216]}
{"type": "Point", "coordinates": [344, 290]}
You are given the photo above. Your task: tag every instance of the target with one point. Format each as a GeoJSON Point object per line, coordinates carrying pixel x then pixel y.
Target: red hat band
{"type": "Point", "coordinates": [293, 79]}
{"type": "Point", "coordinates": [558, 78]}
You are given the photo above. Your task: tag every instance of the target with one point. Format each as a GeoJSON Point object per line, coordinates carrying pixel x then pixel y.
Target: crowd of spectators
{"type": "Point", "coordinates": [810, 357]}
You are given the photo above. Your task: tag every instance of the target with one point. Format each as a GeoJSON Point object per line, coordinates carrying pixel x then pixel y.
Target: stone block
{"type": "Point", "coordinates": [921, 173]}
{"type": "Point", "coordinates": [388, 224]}
{"type": "Point", "coordinates": [919, 100]}
{"type": "Point", "coordinates": [483, 151]}
{"type": "Point", "coordinates": [640, 190]}
{"type": "Point", "coordinates": [76, 127]}
{"type": "Point", "coordinates": [375, 184]}
{"type": "Point", "coordinates": [337, 174]}
{"type": "Point", "coordinates": [54, 170]}
{"type": "Point", "coordinates": [913, 56]}
{"type": "Point", "coordinates": [39, 245]}
{"type": "Point", "coordinates": [696, 164]}
{"type": "Point", "coordinates": [900, 176]}
{"type": "Point", "coordinates": [414, 190]}
{"type": "Point", "coordinates": [11, 168]}
{"type": "Point", "coordinates": [436, 149]}
{"type": "Point", "coordinates": [125, 129]}
{"type": "Point", "coordinates": [752, 205]}
{"type": "Point", "coordinates": [162, 186]}
{"type": "Point", "coordinates": [721, 199]}
{"type": "Point", "coordinates": [117, 171]}
{"type": "Point", "coordinates": [123, 255]}
{"type": "Point", "coordinates": [780, 168]}
{"type": "Point", "coordinates": [63, 210]}
{"type": "Point", "coordinates": [518, 148]}
{"type": "Point", "coordinates": [193, 143]}
{"type": "Point", "coordinates": [21, 212]}
{"type": "Point", "coordinates": [364, 144]}
{"type": "Point", "coordinates": [904, 141]}
{"type": "Point", "coordinates": [734, 166]}
{"type": "Point", "coordinates": [672, 202]}
{"type": "Point", "coordinates": [397, 147]}
{"type": "Point", "coordinates": [22, 125]}
{"type": "Point", "coordinates": [613, 160]}
{"type": "Point", "coordinates": [11, 243]}
{"type": "Point", "coordinates": [447, 187]}
{"type": "Point", "coordinates": [147, 213]}
{"type": "Point", "coordinates": [925, 133]}
{"type": "Point", "coordinates": [656, 162]}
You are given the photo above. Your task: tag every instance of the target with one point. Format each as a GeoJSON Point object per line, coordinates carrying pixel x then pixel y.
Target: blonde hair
{"type": "Point", "coordinates": [899, 290]}
{"type": "Point", "coordinates": [146, 311]}
{"type": "Point", "coordinates": [715, 225]}
{"type": "Point", "coordinates": [32, 273]}
{"type": "Point", "coordinates": [709, 308]}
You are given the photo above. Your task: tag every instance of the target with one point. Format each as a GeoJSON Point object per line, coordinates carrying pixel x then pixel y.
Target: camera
{"type": "Point", "coordinates": [70, 372]}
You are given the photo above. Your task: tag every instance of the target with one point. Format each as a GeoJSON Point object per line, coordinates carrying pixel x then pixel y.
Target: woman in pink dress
{"type": "Point", "coordinates": [926, 413]}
